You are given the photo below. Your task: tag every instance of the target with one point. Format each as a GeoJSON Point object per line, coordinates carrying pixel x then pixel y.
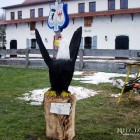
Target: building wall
{"type": "Point", "coordinates": [120, 25]}
{"type": "Point", "coordinates": [101, 5]}
{"type": "Point", "coordinates": [101, 26]}
{"type": "Point", "coordinates": [133, 3]}
{"type": "Point", "coordinates": [22, 32]}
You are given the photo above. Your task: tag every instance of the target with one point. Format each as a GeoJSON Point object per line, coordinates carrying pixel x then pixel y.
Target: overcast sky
{"type": "Point", "coordinates": [9, 2]}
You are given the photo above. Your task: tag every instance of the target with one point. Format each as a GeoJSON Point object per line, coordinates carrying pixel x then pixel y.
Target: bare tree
{"type": "Point", "coordinates": [2, 16]}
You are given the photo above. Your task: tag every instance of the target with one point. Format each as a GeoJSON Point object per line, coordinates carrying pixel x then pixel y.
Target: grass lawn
{"type": "Point", "coordinates": [97, 118]}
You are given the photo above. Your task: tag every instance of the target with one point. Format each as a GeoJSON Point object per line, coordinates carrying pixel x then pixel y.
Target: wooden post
{"type": "Point", "coordinates": [60, 127]}
{"type": "Point", "coordinates": [81, 62]}
{"type": "Point", "coordinates": [56, 36]}
{"type": "Point", "coordinates": [57, 33]}
{"type": "Point", "coordinates": [27, 57]}
{"type": "Point", "coordinates": [28, 45]}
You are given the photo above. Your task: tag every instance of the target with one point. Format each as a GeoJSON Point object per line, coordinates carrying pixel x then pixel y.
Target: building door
{"type": "Point", "coordinates": [88, 42]}
{"type": "Point", "coordinates": [33, 44]}
{"type": "Point", "coordinates": [122, 42]}
{"type": "Point", "coordinates": [13, 45]}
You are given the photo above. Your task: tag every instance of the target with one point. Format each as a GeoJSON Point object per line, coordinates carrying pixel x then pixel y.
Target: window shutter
{"type": "Point", "coordinates": [94, 42]}
{"type": "Point", "coordinates": [28, 43]}
{"type": "Point", "coordinates": [37, 47]}
{"type": "Point", "coordinates": [81, 44]}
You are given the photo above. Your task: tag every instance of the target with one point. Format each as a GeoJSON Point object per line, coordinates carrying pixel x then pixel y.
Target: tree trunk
{"type": "Point", "coordinates": [60, 127]}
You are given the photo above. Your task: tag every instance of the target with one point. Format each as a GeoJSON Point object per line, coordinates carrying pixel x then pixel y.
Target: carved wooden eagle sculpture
{"type": "Point", "coordinates": [61, 70]}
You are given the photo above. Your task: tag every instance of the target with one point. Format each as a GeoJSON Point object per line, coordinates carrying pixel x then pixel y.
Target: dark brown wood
{"type": "Point", "coordinates": [27, 57]}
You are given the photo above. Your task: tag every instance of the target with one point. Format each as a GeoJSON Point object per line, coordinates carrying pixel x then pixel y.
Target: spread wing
{"type": "Point", "coordinates": [75, 44]}
{"type": "Point", "coordinates": [48, 60]}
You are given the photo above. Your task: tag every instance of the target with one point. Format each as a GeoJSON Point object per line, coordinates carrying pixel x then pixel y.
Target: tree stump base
{"type": "Point", "coordinates": [60, 127]}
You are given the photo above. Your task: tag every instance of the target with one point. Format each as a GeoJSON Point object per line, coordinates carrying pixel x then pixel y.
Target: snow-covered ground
{"type": "Point", "coordinates": [35, 97]}
{"type": "Point", "coordinates": [98, 77]}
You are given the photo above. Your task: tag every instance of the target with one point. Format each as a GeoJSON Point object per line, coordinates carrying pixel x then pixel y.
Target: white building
{"type": "Point", "coordinates": [107, 24]}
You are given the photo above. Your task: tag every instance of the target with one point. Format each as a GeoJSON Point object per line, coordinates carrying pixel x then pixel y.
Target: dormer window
{"type": "Point", "coordinates": [92, 6]}
{"type": "Point", "coordinates": [19, 14]}
{"type": "Point", "coordinates": [12, 15]}
{"type": "Point", "coordinates": [81, 7]}
{"type": "Point", "coordinates": [111, 4]}
{"type": "Point", "coordinates": [124, 4]}
{"type": "Point", "coordinates": [40, 12]}
{"type": "Point", "coordinates": [32, 13]}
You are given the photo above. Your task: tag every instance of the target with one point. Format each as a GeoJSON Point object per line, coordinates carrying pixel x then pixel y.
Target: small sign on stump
{"type": "Point", "coordinates": [60, 117]}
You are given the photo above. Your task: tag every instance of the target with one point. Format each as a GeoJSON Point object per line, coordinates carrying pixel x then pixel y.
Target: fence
{"type": "Point", "coordinates": [89, 59]}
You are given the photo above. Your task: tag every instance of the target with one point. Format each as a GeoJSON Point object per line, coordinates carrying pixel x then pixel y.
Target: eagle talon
{"type": "Point", "coordinates": [51, 93]}
{"type": "Point", "coordinates": [65, 94]}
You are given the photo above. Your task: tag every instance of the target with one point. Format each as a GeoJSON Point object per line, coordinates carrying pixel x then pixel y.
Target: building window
{"type": "Point", "coordinates": [40, 12]}
{"type": "Point", "coordinates": [81, 7]}
{"type": "Point", "coordinates": [32, 26]}
{"type": "Point", "coordinates": [12, 15]}
{"type": "Point", "coordinates": [19, 14]}
{"type": "Point", "coordinates": [124, 4]}
{"type": "Point", "coordinates": [88, 21]}
{"type": "Point", "coordinates": [92, 6]}
{"type": "Point", "coordinates": [32, 13]}
{"type": "Point", "coordinates": [111, 4]}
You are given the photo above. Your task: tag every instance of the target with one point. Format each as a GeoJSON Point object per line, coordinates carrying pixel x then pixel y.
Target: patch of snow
{"type": "Point", "coordinates": [82, 92]}
{"type": "Point", "coordinates": [25, 97]}
{"type": "Point", "coordinates": [78, 73]}
{"type": "Point", "coordinates": [115, 95]}
{"type": "Point", "coordinates": [36, 96]}
{"type": "Point", "coordinates": [36, 103]}
{"type": "Point", "coordinates": [100, 77]}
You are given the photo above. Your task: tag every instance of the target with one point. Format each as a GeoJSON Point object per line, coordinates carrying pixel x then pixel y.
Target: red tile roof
{"type": "Point", "coordinates": [32, 2]}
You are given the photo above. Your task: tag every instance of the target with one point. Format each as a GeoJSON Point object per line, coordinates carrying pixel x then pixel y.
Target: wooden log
{"type": "Point", "coordinates": [60, 127]}
{"type": "Point", "coordinates": [27, 57]}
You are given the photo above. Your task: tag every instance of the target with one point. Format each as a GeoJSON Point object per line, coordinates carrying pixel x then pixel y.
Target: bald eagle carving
{"type": "Point", "coordinates": [61, 70]}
